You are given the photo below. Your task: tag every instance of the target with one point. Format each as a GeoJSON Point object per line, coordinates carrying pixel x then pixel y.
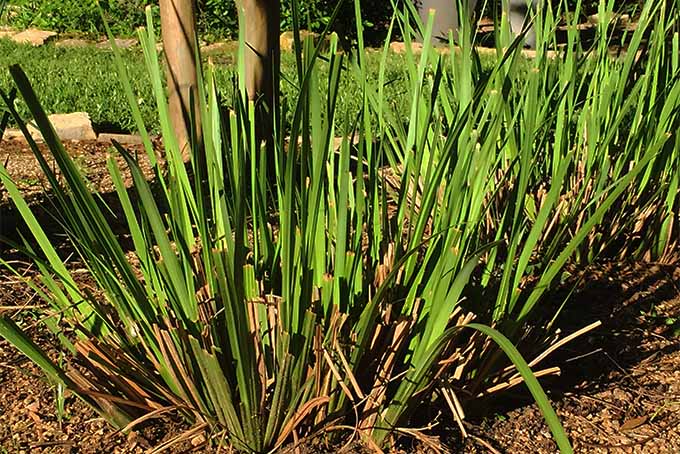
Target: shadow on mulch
{"type": "Point", "coordinates": [627, 299]}
{"type": "Point", "coordinates": [619, 387]}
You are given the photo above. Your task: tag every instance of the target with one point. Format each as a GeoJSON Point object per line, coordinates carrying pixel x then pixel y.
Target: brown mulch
{"type": "Point", "coordinates": [619, 391]}
{"type": "Point", "coordinates": [89, 156]}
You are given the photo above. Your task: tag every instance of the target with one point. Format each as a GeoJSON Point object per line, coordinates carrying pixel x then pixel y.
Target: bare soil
{"type": "Point", "coordinates": [618, 392]}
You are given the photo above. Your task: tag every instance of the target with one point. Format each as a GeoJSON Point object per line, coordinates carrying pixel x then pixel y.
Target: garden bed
{"type": "Point", "coordinates": [623, 398]}
{"type": "Point", "coordinates": [619, 390]}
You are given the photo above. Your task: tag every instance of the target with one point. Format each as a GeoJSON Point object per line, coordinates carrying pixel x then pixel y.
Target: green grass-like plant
{"type": "Point", "coordinates": [363, 277]}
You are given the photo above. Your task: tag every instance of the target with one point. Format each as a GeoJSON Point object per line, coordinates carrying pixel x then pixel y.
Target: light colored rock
{"type": "Point", "coordinates": [120, 43]}
{"type": "Point", "coordinates": [73, 42]}
{"type": "Point", "coordinates": [33, 36]}
{"type": "Point", "coordinates": [73, 126]}
{"type": "Point", "coordinates": [124, 139]}
{"type": "Point", "coordinates": [14, 134]}
{"type": "Point", "coordinates": [7, 33]}
{"type": "Point", "coordinates": [400, 48]}
{"type": "Point", "coordinates": [287, 41]}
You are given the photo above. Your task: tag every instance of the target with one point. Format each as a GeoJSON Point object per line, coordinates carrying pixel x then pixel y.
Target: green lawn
{"type": "Point", "coordinates": [85, 79]}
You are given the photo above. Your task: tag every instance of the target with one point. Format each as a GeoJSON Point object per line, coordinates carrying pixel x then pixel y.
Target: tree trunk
{"type": "Point", "coordinates": [178, 31]}
{"type": "Point", "coordinates": [260, 19]}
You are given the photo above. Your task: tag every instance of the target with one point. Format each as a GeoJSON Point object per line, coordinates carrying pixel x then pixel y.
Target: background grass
{"type": "Point", "coordinates": [82, 80]}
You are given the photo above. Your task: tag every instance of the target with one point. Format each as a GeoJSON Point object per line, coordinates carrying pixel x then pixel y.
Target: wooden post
{"type": "Point", "coordinates": [178, 31]}
{"type": "Point", "coordinates": [261, 21]}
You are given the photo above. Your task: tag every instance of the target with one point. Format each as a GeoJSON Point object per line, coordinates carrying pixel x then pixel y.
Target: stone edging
{"type": "Point", "coordinates": [74, 126]}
